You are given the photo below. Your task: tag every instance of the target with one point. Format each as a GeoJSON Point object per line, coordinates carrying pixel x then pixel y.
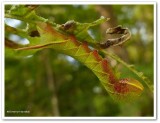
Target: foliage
{"type": "Point", "coordinates": [54, 89]}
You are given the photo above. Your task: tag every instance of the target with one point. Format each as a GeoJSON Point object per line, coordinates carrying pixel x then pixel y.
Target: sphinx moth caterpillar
{"type": "Point", "coordinates": [121, 89]}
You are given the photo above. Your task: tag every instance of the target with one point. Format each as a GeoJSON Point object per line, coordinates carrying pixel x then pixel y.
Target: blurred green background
{"type": "Point", "coordinates": [52, 84]}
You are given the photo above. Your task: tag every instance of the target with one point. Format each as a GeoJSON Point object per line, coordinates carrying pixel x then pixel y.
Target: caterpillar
{"type": "Point", "coordinates": [121, 89]}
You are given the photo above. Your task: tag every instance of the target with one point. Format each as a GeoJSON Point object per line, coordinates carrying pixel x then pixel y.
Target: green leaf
{"type": "Point", "coordinates": [24, 13]}
{"type": "Point", "coordinates": [80, 30]}
{"type": "Point", "coordinates": [19, 10]}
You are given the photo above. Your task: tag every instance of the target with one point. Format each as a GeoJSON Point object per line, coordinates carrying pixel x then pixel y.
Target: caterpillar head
{"type": "Point", "coordinates": [127, 89]}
